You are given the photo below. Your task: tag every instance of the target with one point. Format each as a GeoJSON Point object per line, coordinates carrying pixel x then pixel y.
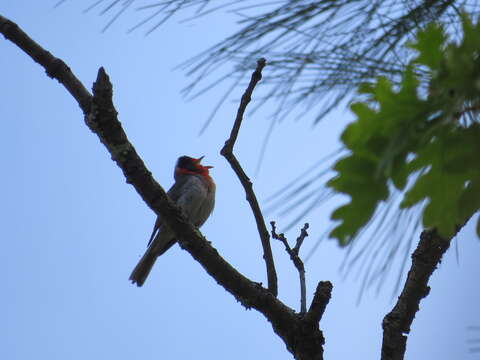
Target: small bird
{"type": "Point", "coordinates": [194, 192]}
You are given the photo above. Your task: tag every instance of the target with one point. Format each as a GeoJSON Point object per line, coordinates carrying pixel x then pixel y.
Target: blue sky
{"type": "Point", "coordinates": [73, 229]}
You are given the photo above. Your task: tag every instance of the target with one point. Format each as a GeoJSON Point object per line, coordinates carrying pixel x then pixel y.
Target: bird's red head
{"type": "Point", "coordinates": [190, 166]}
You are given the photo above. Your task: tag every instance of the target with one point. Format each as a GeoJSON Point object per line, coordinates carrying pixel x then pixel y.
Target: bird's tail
{"type": "Point", "coordinates": [141, 271]}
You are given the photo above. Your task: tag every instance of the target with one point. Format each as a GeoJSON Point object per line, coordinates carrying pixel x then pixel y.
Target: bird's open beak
{"type": "Point", "coordinates": [197, 161]}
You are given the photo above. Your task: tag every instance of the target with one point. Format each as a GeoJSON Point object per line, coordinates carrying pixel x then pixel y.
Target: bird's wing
{"type": "Point", "coordinates": [193, 194]}
{"type": "Point", "coordinates": [207, 205]}
{"type": "Point", "coordinates": [157, 226]}
{"type": "Point", "coordinates": [189, 194]}
{"type": "Point", "coordinates": [173, 193]}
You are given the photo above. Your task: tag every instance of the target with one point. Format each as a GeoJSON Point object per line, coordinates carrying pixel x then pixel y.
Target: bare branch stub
{"type": "Point", "coordinates": [293, 253]}
{"type": "Point", "coordinates": [227, 152]}
{"type": "Point", "coordinates": [322, 296]}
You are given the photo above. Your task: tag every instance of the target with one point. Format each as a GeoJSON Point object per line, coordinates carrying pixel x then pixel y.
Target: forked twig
{"type": "Point", "coordinates": [296, 260]}
{"type": "Point", "coordinates": [227, 152]}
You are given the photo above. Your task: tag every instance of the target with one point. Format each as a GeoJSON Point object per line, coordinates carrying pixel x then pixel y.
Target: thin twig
{"type": "Point", "coordinates": [396, 324]}
{"type": "Point", "coordinates": [246, 97]}
{"type": "Point", "coordinates": [227, 152]}
{"type": "Point", "coordinates": [296, 260]}
{"type": "Point", "coordinates": [301, 237]}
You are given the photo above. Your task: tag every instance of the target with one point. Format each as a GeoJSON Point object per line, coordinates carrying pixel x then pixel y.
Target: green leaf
{"type": "Point", "coordinates": [430, 44]}
{"type": "Point", "coordinates": [400, 173]}
{"type": "Point", "coordinates": [469, 201]}
{"type": "Point", "coordinates": [452, 194]}
{"type": "Point", "coordinates": [410, 136]}
{"type": "Point", "coordinates": [365, 192]}
{"type": "Point", "coordinates": [359, 132]}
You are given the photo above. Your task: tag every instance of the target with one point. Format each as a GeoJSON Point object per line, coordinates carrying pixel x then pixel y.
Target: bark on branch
{"type": "Point", "coordinates": [301, 334]}
{"type": "Point", "coordinates": [396, 324]}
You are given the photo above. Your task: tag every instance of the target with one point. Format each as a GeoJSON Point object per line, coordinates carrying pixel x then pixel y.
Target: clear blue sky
{"type": "Point", "coordinates": [72, 229]}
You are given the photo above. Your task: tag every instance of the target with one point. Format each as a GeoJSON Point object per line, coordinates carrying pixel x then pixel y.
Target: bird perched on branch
{"type": "Point", "coordinates": [194, 192]}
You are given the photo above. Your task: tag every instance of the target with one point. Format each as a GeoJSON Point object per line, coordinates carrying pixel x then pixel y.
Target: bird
{"type": "Point", "coordinates": [194, 192]}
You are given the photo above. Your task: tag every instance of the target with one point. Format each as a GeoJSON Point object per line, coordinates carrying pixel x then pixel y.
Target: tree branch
{"type": "Point", "coordinates": [293, 253]}
{"type": "Point", "coordinates": [322, 296]}
{"type": "Point", "coordinates": [310, 321]}
{"type": "Point", "coordinates": [302, 338]}
{"type": "Point", "coordinates": [396, 324]}
{"type": "Point", "coordinates": [227, 152]}
{"type": "Point", "coordinates": [54, 67]}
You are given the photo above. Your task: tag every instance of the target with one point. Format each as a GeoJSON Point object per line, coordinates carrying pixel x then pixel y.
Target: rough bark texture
{"type": "Point", "coordinates": [396, 324]}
